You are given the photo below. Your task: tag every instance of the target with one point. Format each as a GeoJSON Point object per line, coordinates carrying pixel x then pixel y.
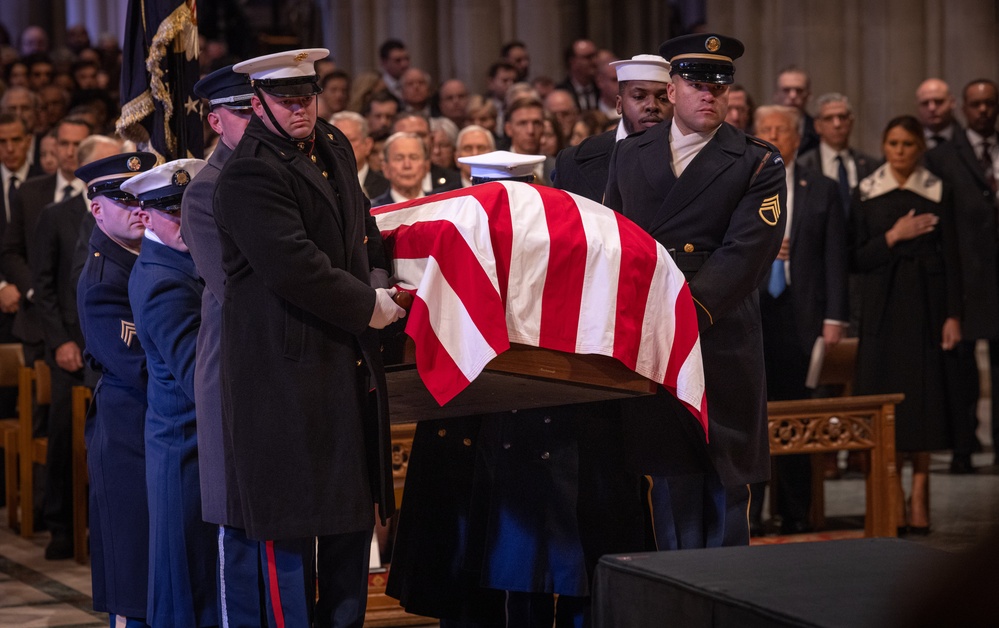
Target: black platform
{"type": "Point", "coordinates": [843, 584]}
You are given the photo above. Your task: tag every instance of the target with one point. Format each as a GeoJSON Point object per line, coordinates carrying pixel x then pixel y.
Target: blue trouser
{"type": "Point", "coordinates": [265, 583]}
{"type": "Point", "coordinates": [688, 511]}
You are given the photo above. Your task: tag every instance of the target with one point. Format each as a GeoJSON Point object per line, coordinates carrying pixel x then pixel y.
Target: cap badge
{"type": "Point", "coordinates": [302, 56]}
{"type": "Point", "coordinates": [133, 164]}
{"type": "Point", "coordinates": [712, 44]}
{"type": "Point", "coordinates": [181, 178]}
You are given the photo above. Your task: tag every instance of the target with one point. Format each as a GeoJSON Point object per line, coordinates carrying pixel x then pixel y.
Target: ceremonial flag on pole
{"type": "Point", "coordinates": [512, 262]}
{"type": "Point", "coordinates": [159, 69]}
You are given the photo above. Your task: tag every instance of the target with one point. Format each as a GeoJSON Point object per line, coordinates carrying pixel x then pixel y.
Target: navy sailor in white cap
{"type": "Point", "coordinates": [304, 405]}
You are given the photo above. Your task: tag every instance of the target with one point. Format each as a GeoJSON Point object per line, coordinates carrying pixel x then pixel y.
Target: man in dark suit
{"type": "Point", "coordinates": [935, 109]}
{"type": "Point", "coordinates": [581, 64]}
{"type": "Point", "coordinates": [968, 163]}
{"type": "Point", "coordinates": [355, 127]}
{"type": "Point", "coordinates": [406, 159]}
{"type": "Point", "coordinates": [14, 170]}
{"type": "Point", "coordinates": [298, 314]}
{"type": "Point", "coordinates": [641, 103]}
{"type": "Point", "coordinates": [714, 196]}
{"type": "Point", "coordinates": [437, 179]}
{"type": "Point", "coordinates": [805, 298]}
{"type": "Point", "coordinates": [524, 125]}
{"type": "Point", "coordinates": [119, 521]}
{"type": "Point", "coordinates": [834, 157]}
{"type": "Point", "coordinates": [793, 89]}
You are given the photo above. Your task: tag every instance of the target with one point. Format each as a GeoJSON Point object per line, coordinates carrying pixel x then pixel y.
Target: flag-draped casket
{"type": "Point", "coordinates": [510, 262]}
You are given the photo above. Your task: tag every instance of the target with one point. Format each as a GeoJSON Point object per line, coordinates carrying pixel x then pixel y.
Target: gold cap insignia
{"type": "Point", "coordinates": [770, 210]}
{"type": "Point", "coordinates": [302, 56]}
{"type": "Point", "coordinates": [712, 44]}
{"type": "Point", "coordinates": [688, 248]}
{"type": "Point", "coordinates": [133, 164]}
{"type": "Point", "coordinates": [181, 178]}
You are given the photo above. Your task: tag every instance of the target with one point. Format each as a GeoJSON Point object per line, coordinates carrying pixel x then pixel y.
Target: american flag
{"type": "Point", "coordinates": [512, 262]}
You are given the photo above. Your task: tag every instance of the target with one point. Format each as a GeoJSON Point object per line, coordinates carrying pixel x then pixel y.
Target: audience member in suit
{"type": "Point", "coordinates": [641, 103]}
{"type": "Point", "coordinates": [935, 110]}
{"type": "Point", "coordinates": [740, 108]}
{"type": "Point", "coordinates": [23, 207]}
{"type": "Point", "coordinates": [55, 242]}
{"type": "Point", "coordinates": [415, 85]}
{"type": "Point", "coordinates": [23, 102]}
{"type": "Point", "coordinates": [968, 163]}
{"type": "Point", "coordinates": [501, 77]}
{"type": "Point", "coordinates": [394, 60]}
{"type": "Point", "coordinates": [524, 125]}
{"type": "Point", "coordinates": [355, 127]}
{"type": "Point", "coordinates": [834, 125]}
{"type": "Point", "coordinates": [14, 170]}
{"type": "Point", "coordinates": [581, 64]}
{"type": "Point", "coordinates": [793, 89]}
{"type": "Point", "coordinates": [436, 179]}
{"type": "Point", "coordinates": [406, 160]}
{"type": "Point", "coordinates": [472, 140]}
{"type": "Point", "coordinates": [452, 101]}
{"type": "Point", "coordinates": [716, 196]}
{"type": "Point", "coordinates": [805, 298]}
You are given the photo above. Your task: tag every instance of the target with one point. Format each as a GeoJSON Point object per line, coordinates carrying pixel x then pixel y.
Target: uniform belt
{"type": "Point", "coordinates": [689, 263]}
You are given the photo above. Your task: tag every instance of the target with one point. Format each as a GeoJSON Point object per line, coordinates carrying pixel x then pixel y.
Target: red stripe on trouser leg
{"type": "Point", "coordinates": [275, 594]}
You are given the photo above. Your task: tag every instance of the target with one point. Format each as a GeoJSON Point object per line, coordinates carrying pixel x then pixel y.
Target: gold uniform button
{"type": "Point", "coordinates": [688, 248]}
{"type": "Point", "coordinates": [545, 456]}
{"type": "Point", "coordinates": [442, 433]}
{"type": "Point", "coordinates": [365, 239]}
{"type": "Point", "coordinates": [313, 159]}
{"type": "Point", "coordinates": [467, 442]}
{"type": "Point", "coordinates": [326, 175]}
{"type": "Point", "coordinates": [97, 254]}
{"type": "Point", "coordinates": [301, 146]}
{"type": "Point", "coordinates": [358, 363]}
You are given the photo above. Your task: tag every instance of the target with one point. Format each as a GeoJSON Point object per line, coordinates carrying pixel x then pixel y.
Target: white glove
{"type": "Point", "coordinates": [386, 311]}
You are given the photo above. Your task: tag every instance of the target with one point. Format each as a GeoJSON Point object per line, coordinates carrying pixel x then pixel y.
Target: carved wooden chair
{"type": "Point", "coordinates": [11, 361]}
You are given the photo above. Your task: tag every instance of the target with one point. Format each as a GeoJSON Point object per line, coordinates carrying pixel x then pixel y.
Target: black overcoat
{"type": "Point", "coordinates": [305, 439]}
{"type": "Point", "coordinates": [724, 219]}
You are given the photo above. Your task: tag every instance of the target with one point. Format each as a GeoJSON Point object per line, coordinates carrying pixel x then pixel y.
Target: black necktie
{"type": "Point", "coordinates": [14, 184]}
{"type": "Point", "coordinates": [987, 169]}
{"type": "Point", "coordinates": [67, 192]}
{"type": "Point", "coordinates": [844, 183]}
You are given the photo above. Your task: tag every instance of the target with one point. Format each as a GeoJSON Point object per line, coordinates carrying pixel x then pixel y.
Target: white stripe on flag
{"type": "Point", "coordinates": [529, 267]}
{"type": "Point", "coordinates": [598, 307]}
{"type": "Point", "coordinates": [454, 328]}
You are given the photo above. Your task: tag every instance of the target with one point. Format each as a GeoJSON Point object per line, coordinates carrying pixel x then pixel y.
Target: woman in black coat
{"type": "Point", "coordinates": [905, 248]}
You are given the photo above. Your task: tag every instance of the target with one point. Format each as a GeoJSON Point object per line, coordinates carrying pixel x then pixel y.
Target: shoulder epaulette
{"type": "Point", "coordinates": [755, 140]}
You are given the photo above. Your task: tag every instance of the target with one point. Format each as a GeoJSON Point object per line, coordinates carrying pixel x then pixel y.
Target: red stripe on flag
{"type": "Point", "coordinates": [272, 577]}
{"type": "Point", "coordinates": [638, 265]}
{"type": "Point", "coordinates": [684, 335]}
{"type": "Point", "coordinates": [496, 201]}
{"type": "Point", "coordinates": [441, 240]}
{"type": "Point", "coordinates": [563, 292]}
{"type": "Point", "coordinates": [435, 365]}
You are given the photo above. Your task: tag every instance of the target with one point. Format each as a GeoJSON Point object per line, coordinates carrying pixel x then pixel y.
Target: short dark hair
{"type": "Point", "coordinates": [36, 58]}
{"type": "Point", "coordinates": [11, 118]}
{"type": "Point", "coordinates": [73, 119]}
{"type": "Point", "coordinates": [523, 103]}
{"type": "Point", "coordinates": [380, 96]}
{"type": "Point", "coordinates": [335, 74]}
{"type": "Point", "coordinates": [500, 65]}
{"type": "Point", "coordinates": [964, 92]}
{"type": "Point", "coordinates": [388, 46]}
{"type": "Point", "coordinates": [510, 45]}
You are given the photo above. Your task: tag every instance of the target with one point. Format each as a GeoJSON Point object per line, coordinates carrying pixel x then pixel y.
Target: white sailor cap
{"type": "Point", "coordinates": [502, 164]}
{"type": "Point", "coordinates": [163, 186]}
{"type": "Point", "coordinates": [287, 74]}
{"type": "Point", "coordinates": [642, 68]}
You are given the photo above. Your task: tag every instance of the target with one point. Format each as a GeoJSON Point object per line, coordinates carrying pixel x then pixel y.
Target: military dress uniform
{"type": "Point", "coordinates": [165, 294]}
{"type": "Point", "coordinates": [723, 219]}
{"type": "Point", "coordinates": [304, 402]}
{"type": "Point", "coordinates": [119, 521]}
